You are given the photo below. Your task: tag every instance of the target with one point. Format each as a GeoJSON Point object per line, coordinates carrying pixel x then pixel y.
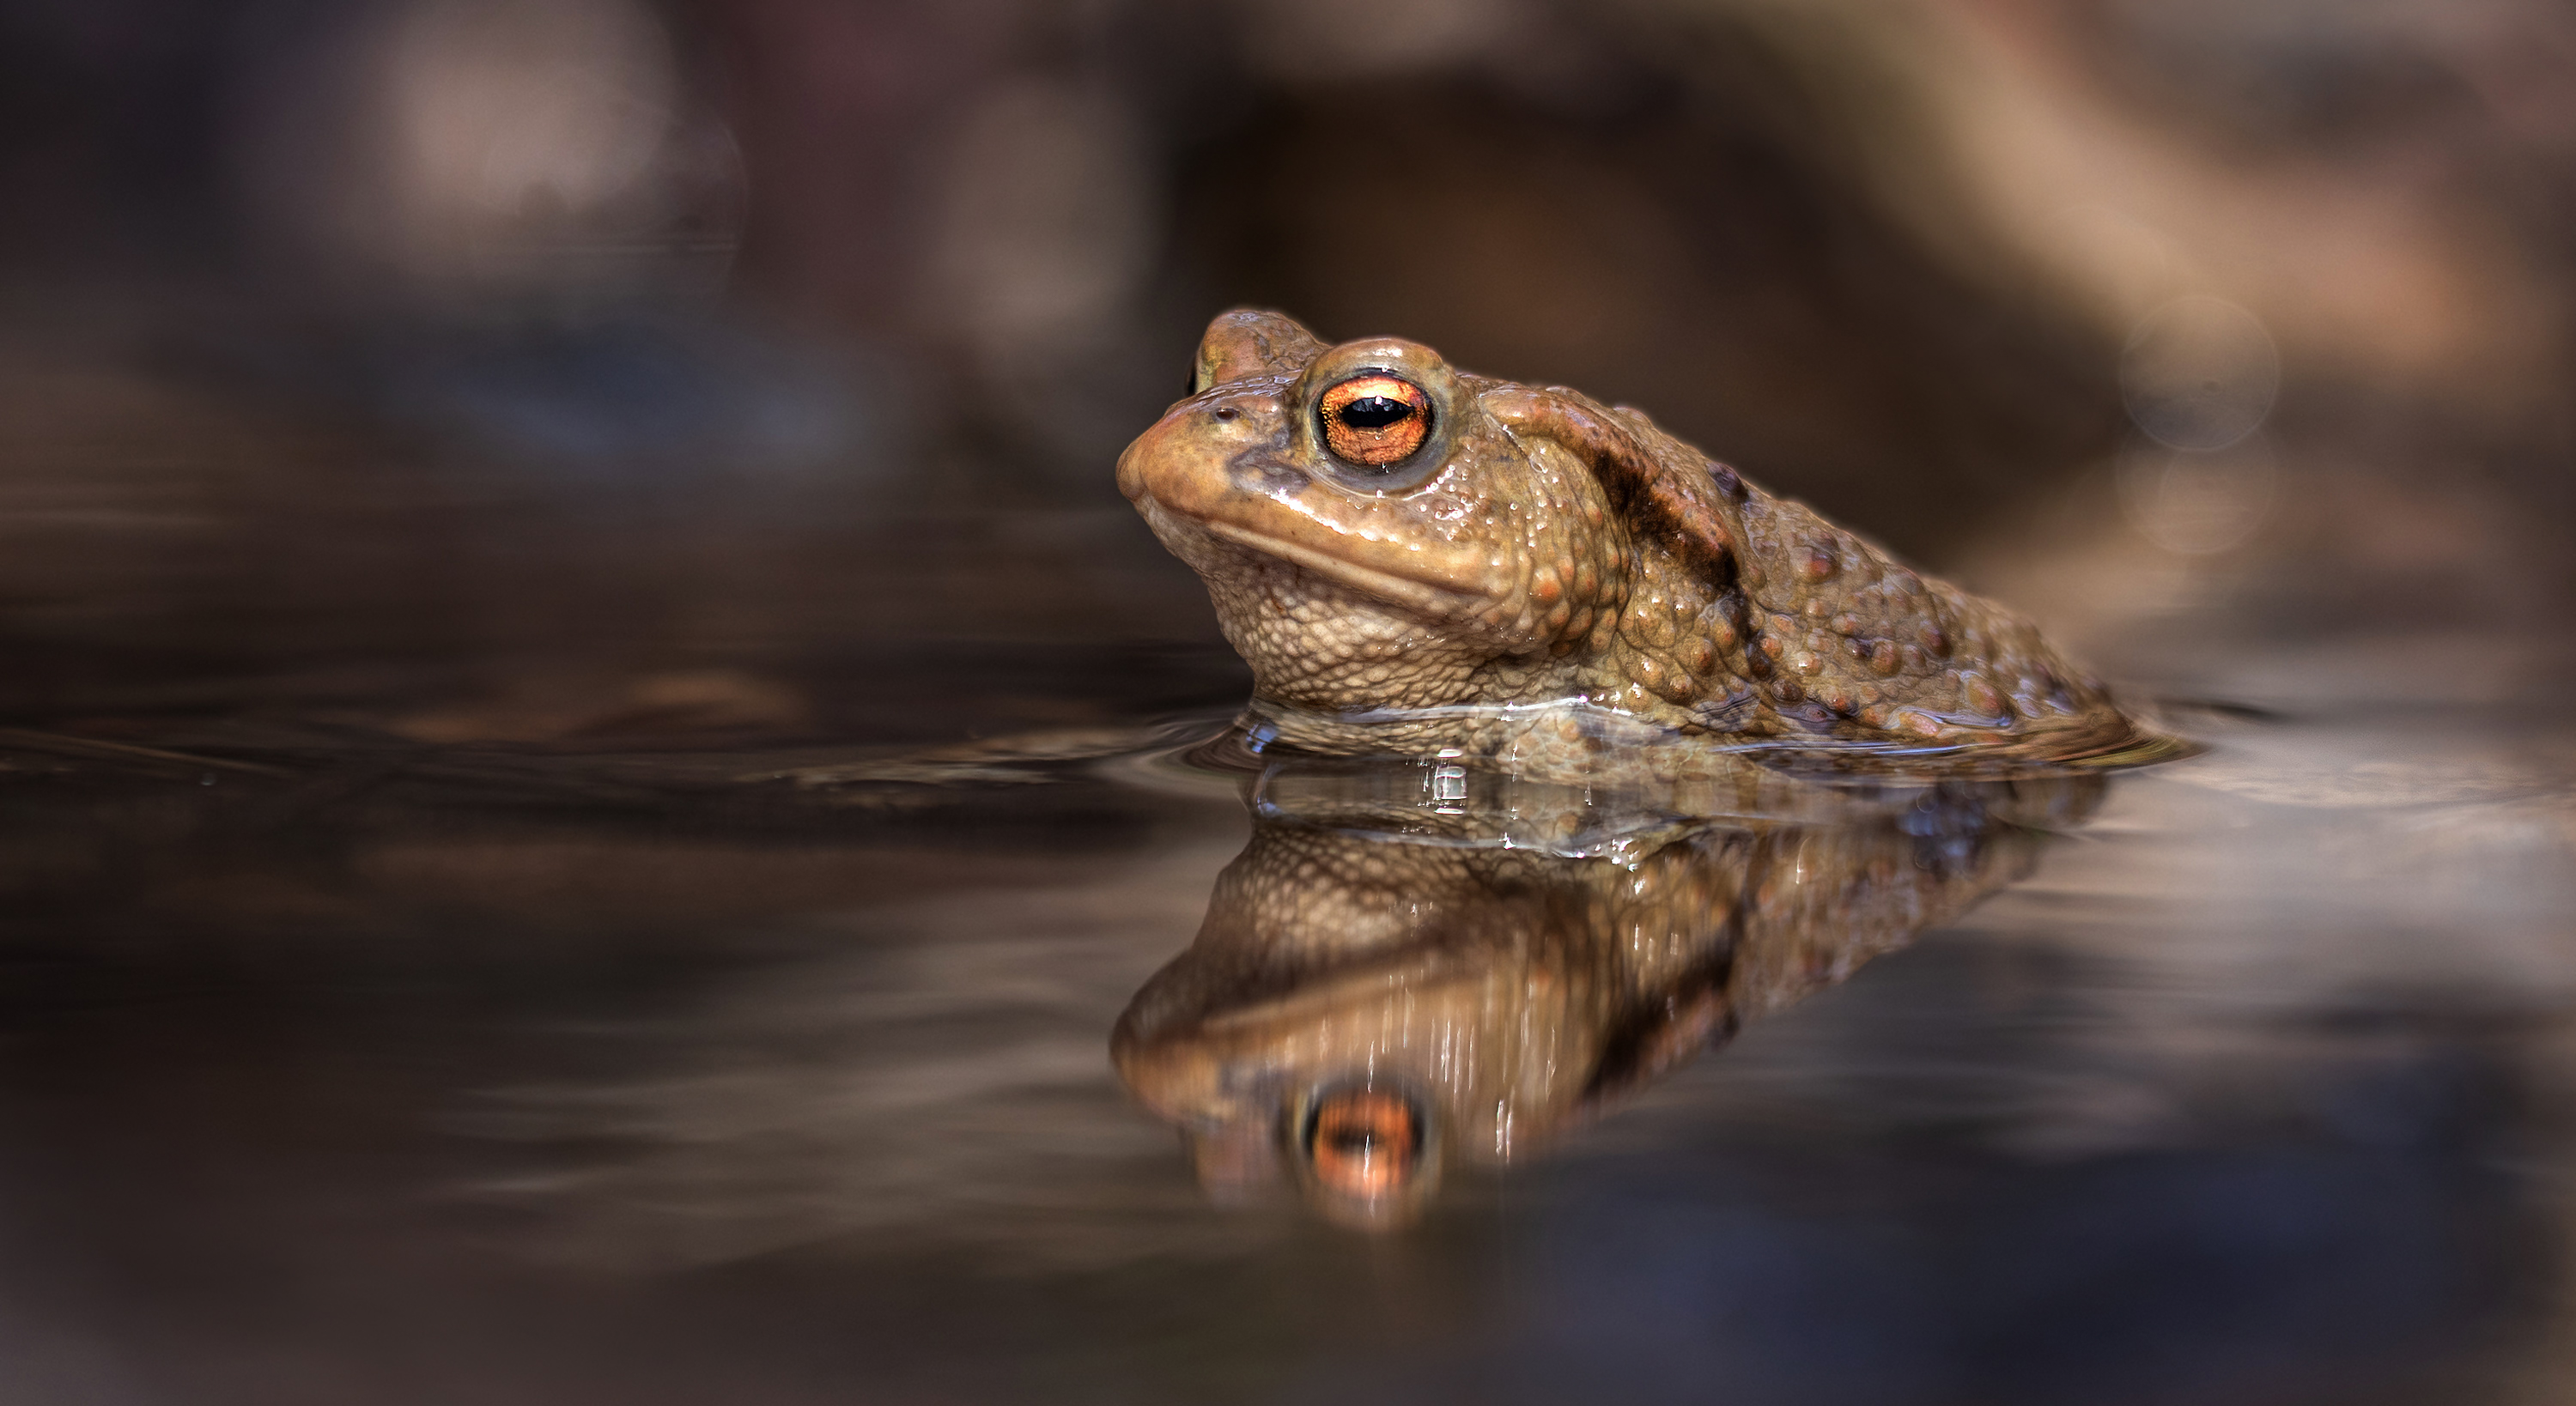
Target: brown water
{"type": "Point", "coordinates": [343, 1070]}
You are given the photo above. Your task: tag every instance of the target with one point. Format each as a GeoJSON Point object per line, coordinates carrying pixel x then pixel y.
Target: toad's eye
{"type": "Point", "coordinates": [1375, 420]}
{"type": "Point", "coordinates": [1364, 1143]}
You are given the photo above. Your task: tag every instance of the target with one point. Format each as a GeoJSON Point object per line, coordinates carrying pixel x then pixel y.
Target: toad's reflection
{"type": "Point", "coordinates": [1366, 1001]}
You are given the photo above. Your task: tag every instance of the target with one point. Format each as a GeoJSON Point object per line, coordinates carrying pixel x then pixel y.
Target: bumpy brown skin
{"type": "Point", "coordinates": [1542, 547]}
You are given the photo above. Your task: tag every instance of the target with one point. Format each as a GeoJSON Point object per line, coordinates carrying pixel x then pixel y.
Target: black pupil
{"type": "Point", "coordinates": [1374, 412]}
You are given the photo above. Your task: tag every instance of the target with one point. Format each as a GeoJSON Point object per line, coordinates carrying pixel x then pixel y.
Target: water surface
{"type": "Point", "coordinates": [342, 1071]}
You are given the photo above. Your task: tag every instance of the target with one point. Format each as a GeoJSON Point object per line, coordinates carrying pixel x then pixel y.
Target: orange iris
{"type": "Point", "coordinates": [1375, 420]}
{"type": "Point", "coordinates": [1365, 1144]}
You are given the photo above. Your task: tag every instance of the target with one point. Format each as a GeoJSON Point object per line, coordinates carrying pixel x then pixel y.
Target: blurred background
{"type": "Point", "coordinates": [457, 456]}
{"type": "Point", "coordinates": [514, 359]}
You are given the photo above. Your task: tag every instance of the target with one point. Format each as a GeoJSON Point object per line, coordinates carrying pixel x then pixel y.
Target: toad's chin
{"type": "Point", "coordinates": [1323, 638]}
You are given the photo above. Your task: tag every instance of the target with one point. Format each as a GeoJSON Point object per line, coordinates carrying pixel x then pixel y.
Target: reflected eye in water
{"type": "Point", "coordinates": [1375, 420]}
{"type": "Point", "coordinates": [1365, 1152]}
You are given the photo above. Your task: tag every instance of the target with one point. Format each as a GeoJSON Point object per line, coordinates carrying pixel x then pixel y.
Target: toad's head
{"type": "Point", "coordinates": [1371, 526]}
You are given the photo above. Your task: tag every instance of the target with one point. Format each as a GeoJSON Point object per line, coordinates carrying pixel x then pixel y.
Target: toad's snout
{"type": "Point", "coordinates": [1232, 465]}
{"type": "Point", "coordinates": [1183, 462]}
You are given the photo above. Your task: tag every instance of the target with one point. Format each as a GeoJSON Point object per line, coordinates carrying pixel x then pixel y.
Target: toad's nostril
{"type": "Point", "coordinates": [1227, 412]}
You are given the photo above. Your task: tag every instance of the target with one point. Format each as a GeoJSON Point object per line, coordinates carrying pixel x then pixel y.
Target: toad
{"type": "Point", "coordinates": [1409, 554]}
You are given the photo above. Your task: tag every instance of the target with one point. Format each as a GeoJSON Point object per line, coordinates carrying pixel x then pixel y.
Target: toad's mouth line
{"type": "Point", "coordinates": [1422, 597]}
